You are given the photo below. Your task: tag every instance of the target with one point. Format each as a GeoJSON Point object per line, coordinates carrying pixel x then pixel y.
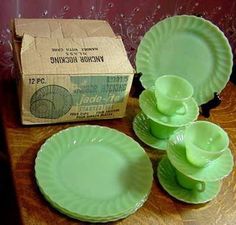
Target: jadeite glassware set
{"type": "Point", "coordinates": [98, 174]}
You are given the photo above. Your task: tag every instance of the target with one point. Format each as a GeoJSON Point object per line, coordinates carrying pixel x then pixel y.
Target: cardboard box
{"type": "Point", "coordinates": [70, 70]}
{"type": "Point", "coordinates": [61, 28]}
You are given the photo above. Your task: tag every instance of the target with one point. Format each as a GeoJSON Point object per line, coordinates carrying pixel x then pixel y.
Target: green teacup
{"type": "Point", "coordinates": [204, 142]}
{"type": "Point", "coordinates": [172, 92]}
{"type": "Point", "coordinates": [161, 131]}
{"type": "Point", "coordinates": [189, 183]}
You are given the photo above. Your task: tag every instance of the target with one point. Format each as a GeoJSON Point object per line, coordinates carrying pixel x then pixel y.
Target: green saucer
{"type": "Point", "coordinates": [216, 170]}
{"type": "Point", "coordinates": [142, 130]}
{"type": "Point", "coordinates": [147, 102]}
{"type": "Point", "coordinates": [167, 179]}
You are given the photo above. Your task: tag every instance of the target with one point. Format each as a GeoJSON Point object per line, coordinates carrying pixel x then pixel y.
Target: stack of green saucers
{"type": "Point", "coordinates": [165, 108]}
{"type": "Point", "coordinates": [198, 158]}
{"type": "Point", "coordinates": [93, 173]}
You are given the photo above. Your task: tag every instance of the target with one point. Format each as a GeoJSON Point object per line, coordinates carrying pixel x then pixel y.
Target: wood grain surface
{"type": "Point", "coordinates": [160, 209]}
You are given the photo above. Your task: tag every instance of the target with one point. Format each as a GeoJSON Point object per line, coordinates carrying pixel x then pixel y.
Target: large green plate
{"type": "Point", "coordinates": [167, 179]}
{"type": "Point", "coordinates": [190, 47]}
{"type": "Point", "coordinates": [93, 172]}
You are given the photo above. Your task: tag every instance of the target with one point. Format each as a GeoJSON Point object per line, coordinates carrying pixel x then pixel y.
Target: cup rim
{"type": "Point", "coordinates": [177, 78]}
{"type": "Point", "coordinates": [222, 131]}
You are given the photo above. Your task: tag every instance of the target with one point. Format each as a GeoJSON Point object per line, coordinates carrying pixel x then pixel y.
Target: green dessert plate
{"type": "Point", "coordinates": [190, 47]}
{"type": "Point", "coordinates": [93, 173]}
{"type": "Point", "coordinates": [147, 102]}
{"type": "Point", "coordinates": [167, 179]}
{"type": "Point", "coordinates": [216, 170]}
{"type": "Point", "coordinates": [142, 130]}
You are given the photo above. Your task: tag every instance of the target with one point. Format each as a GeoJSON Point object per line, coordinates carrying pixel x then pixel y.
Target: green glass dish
{"type": "Point", "coordinates": [167, 178]}
{"type": "Point", "coordinates": [216, 170]}
{"type": "Point", "coordinates": [147, 102]}
{"type": "Point", "coordinates": [190, 47]}
{"type": "Point", "coordinates": [93, 219]}
{"type": "Point", "coordinates": [142, 130]}
{"type": "Point", "coordinates": [93, 172]}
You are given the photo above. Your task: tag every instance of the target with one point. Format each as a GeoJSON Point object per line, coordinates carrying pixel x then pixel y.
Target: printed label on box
{"type": "Point", "coordinates": [83, 97]}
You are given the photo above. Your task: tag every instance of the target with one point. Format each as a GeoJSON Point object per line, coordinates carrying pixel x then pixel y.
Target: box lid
{"type": "Point", "coordinates": [90, 55]}
{"type": "Point", "coordinates": [62, 28]}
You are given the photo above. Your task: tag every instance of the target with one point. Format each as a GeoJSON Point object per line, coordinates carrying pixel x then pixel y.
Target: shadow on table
{"type": "Point", "coordinates": [8, 205]}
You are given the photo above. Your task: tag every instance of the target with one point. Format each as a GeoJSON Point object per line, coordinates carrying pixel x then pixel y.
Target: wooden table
{"type": "Point", "coordinates": [24, 142]}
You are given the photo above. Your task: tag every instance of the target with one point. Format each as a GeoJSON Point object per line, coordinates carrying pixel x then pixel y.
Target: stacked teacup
{"type": "Point", "coordinates": [204, 142]}
{"type": "Point", "coordinates": [198, 159]}
{"type": "Point", "coordinates": [165, 108]}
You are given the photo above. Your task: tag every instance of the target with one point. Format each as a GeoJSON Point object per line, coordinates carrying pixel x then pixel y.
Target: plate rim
{"type": "Point", "coordinates": [92, 219]}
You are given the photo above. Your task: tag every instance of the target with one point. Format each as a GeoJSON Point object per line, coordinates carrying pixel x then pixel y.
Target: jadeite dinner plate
{"type": "Point", "coordinates": [147, 102]}
{"type": "Point", "coordinates": [142, 130]}
{"type": "Point", "coordinates": [93, 219]}
{"type": "Point", "coordinates": [167, 179]}
{"type": "Point", "coordinates": [216, 170]}
{"type": "Point", "coordinates": [190, 47]}
{"type": "Point", "coordinates": [93, 173]}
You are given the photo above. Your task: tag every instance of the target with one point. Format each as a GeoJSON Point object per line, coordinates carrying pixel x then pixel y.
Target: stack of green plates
{"type": "Point", "coordinates": [93, 173]}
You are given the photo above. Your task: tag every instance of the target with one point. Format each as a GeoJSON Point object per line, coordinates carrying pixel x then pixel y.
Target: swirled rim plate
{"type": "Point", "coordinates": [142, 130]}
{"type": "Point", "coordinates": [216, 170]}
{"type": "Point", "coordinates": [190, 47]}
{"type": "Point", "coordinates": [93, 219]}
{"type": "Point", "coordinates": [167, 179]}
{"type": "Point", "coordinates": [93, 172]}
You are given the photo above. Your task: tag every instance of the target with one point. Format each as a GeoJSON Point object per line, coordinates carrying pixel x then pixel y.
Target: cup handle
{"type": "Point", "coordinates": [201, 186]}
{"type": "Point", "coordinates": [182, 110]}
